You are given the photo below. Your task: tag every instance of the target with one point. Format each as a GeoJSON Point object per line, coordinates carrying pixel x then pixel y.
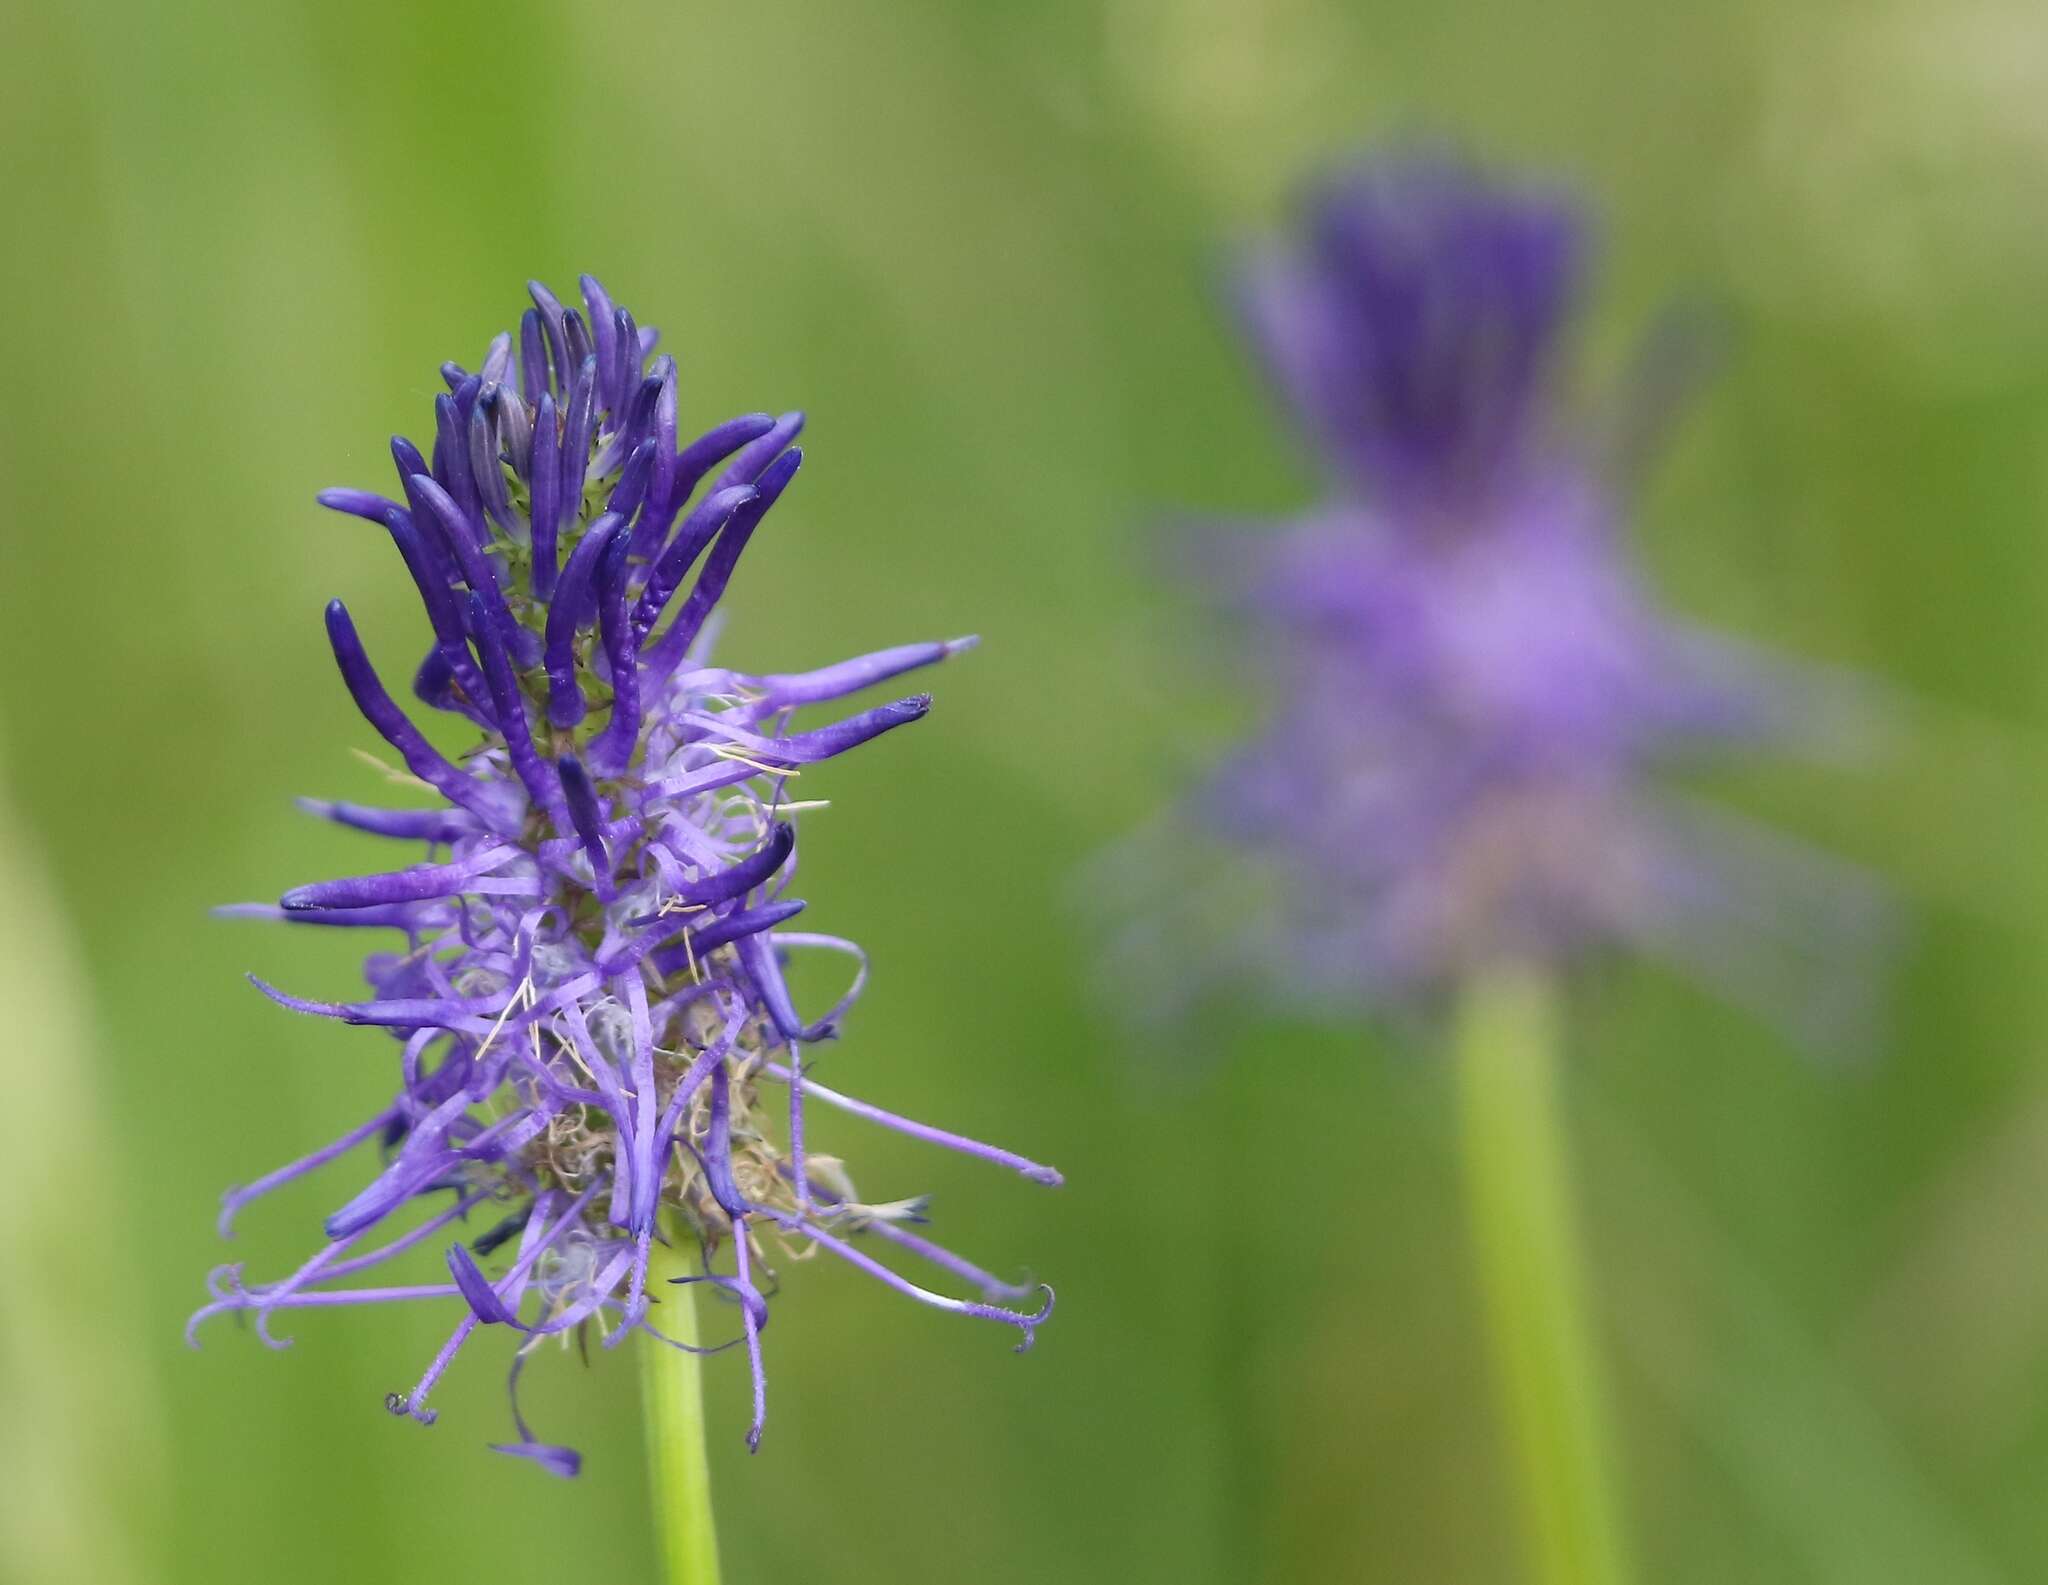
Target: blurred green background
{"type": "Point", "coordinates": [979, 244]}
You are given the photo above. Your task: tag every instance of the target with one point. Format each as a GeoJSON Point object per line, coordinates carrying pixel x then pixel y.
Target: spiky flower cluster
{"type": "Point", "coordinates": [1471, 684]}
{"type": "Point", "coordinates": [599, 1049]}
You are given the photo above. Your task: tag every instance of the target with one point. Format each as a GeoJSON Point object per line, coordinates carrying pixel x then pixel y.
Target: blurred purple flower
{"type": "Point", "coordinates": [590, 998]}
{"type": "Point", "coordinates": [1468, 685]}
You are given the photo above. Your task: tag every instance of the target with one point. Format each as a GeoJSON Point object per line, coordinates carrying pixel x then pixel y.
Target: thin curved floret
{"type": "Point", "coordinates": [590, 1001]}
{"type": "Point", "coordinates": [1471, 686]}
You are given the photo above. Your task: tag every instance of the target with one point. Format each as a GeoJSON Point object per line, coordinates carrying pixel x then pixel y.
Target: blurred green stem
{"type": "Point", "coordinates": [1532, 1275]}
{"type": "Point", "coordinates": [677, 1467]}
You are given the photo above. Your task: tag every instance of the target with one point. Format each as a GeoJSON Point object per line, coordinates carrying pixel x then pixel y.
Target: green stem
{"type": "Point", "coordinates": [1532, 1276]}
{"type": "Point", "coordinates": [678, 1470]}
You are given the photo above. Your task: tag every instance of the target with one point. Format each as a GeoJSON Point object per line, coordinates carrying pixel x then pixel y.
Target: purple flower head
{"type": "Point", "coordinates": [1413, 326]}
{"type": "Point", "coordinates": [597, 1047]}
{"type": "Point", "coordinates": [1468, 683]}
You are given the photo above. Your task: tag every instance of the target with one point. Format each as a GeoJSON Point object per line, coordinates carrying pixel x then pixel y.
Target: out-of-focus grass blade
{"type": "Point", "coordinates": [1794, 1432]}
{"type": "Point", "coordinates": [79, 1431]}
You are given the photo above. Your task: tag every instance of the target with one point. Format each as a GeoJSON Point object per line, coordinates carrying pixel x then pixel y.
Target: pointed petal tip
{"type": "Point", "coordinates": [356, 503]}
{"type": "Point", "coordinates": [476, 1289]}
{"type": "Point", "coordinates": [961, 645]}
{"type": "Point", "coordinates": [283, 998]}
{"type": "Point", "coordinates": [564, 1462]}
